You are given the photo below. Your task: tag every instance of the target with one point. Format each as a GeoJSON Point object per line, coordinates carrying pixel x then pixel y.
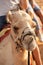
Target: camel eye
{"type": "Point", "coordinates": [15, 29]}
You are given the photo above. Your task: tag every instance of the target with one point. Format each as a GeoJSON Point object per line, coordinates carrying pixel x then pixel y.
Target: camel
{"type": "Point", "coordinates": [20, 39]}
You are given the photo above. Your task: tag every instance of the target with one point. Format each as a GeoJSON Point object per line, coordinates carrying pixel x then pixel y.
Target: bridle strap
{"type": "Point", "coordinates": [16, 42]}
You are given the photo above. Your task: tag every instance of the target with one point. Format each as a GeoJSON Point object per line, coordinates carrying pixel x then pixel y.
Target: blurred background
{"type": "Point", "coordinates": [40, 3]}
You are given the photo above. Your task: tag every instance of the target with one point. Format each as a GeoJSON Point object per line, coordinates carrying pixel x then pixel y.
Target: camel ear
{"type": "Point", "coordinates": [9, 17]}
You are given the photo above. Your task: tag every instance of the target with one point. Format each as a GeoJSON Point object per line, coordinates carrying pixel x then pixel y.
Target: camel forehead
{"type": "Point", "coordinates": [20, 16]}
{"type": "Point", "coordinates": [20, 13]}
{"type": "Point", "coordinates": [20, 19]}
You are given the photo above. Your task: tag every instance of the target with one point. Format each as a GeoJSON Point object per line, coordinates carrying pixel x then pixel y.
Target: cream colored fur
{"type": "Point", "coordinates": [8, 52]}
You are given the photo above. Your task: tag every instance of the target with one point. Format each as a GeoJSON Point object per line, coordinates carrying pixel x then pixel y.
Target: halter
{"type": "Point", "coordinates": [18, 40]}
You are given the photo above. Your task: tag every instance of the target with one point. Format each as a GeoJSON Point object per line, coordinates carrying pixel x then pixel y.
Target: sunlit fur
{"type": "Point", "coordinates": [8, 52]}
